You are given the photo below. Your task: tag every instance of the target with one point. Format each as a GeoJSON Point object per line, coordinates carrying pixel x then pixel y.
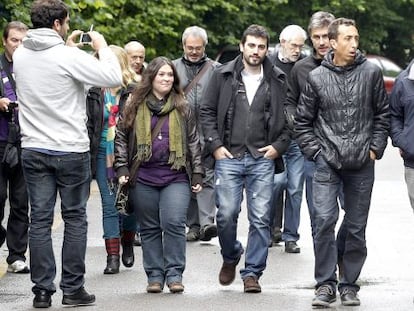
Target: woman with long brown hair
{"type": "Point", "coordinates": [170, 168]}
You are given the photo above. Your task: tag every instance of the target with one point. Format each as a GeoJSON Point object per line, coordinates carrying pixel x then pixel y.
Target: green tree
{"type": "Point", "coordinates": [386, 26]}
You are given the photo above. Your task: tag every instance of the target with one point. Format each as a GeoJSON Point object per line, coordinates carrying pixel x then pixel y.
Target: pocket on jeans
{"type": "Point", "coordinates": [322, 171]}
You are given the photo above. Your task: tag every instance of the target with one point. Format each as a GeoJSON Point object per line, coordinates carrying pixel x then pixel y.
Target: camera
{"type": "Point", "coordinates": [85, 37]}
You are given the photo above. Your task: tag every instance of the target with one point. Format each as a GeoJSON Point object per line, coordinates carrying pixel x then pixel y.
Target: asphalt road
{"type": "Point", "coordinates": [387, 280]}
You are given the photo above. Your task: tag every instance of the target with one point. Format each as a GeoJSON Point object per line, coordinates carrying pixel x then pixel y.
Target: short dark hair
{"type": "Point", "coordinates": [14, 25]}
{"type": "Point", "coordinates": [333, 27]}
{"type": "Point", "coordinates": [44, 13]}
{"type": "Point", "coordinates": [255, 31]}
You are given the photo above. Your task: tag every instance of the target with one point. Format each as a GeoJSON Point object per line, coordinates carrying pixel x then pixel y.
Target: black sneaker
{"type": "Point", "coordinates": [42, 299]}
{"type": "Point", "coordinates": [79, 298]}
{"type": "Point", "coordinates": [324, 296]}
{"type": "Point", "coordinates": [291, 247]}
{"type": "Point", "coordinates": [349, 297]}
{"type": "Point", "coordinates": [193, 234]}
{"type": "Point", "coordinates": [208, 232]}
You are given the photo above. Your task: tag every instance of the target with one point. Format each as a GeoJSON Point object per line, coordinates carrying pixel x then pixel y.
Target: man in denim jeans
{"type": "Point", "coordinates": [342, 123]}
{"type": "Point", "coordinates": [51, 79]}
{"type": "Point", "coordinates": [244, 127]}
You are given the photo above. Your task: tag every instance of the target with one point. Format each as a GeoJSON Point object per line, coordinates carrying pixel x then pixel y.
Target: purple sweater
{"type": "Point", "coordinates": [157, 171]}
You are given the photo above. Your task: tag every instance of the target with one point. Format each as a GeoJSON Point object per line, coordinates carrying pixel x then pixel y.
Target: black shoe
{"type": "Point", "coordinates": [79, 298]}
{"type": "Point", "coordinates": [128, 257]}
{"type": "Point", "coordinates": [276, 236]}
{"type": "Point", "coordinates": [324, 296]}
{"type": "Point", "coordinates": [112, 264]}
{"type": "Point", "coordinates": [42, 299]}
{"type": "Point", "coordinates": [349, 297]}
{"type": "Point", "coordinates": [208, 232]}
{"type": "Point", "coordinates": [292, 247]}
{"type": "Point", "coordinates": [193, 234]}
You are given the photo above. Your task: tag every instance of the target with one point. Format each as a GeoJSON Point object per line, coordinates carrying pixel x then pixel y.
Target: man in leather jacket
{"type": "Point", "coordinates": [245, 131]}
{"type": "Point", "coordinates": [342, 123]}
{"type": "Point", "coordinates": [194, 62]}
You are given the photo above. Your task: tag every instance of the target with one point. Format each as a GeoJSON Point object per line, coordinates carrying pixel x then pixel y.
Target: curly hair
{"type": "Point", "coordinates": [44, 13]}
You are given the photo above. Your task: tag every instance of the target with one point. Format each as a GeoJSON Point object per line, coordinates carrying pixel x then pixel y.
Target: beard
{"type": "Point", "coordinates": [254, 62]}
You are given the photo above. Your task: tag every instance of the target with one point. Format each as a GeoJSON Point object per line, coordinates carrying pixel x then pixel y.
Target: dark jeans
{"type": "Point", "coordinates": [357, 188]}
{"type": "Point", "coordinates": [70, 176]}
{"type": "Point", "coordinates": [12, 179]}
{"type": "Point", "coordinates": [161, 213]}
{"type": "Point", "coordinates": [341, 235]}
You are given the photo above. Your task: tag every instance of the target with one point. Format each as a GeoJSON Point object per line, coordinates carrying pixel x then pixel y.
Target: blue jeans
{"type": "Point", "coordinates": [357, 186]}
{"type": "Point", "coordinates": [161, 213]}
{"type": "Point", "coordinates": [256, 176]}
{"type": "Point", "coordinates": [46, 175]}
{"type": "Point", "coordinates": [110, 217]}
{"type": "Point", "coordinates": [291, 180]}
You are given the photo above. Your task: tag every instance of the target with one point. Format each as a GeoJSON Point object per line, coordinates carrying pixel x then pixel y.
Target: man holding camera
{"type": "Point", "coordinates": [52, 80]}
{"type": "Point", "coordinates": [11, 174]}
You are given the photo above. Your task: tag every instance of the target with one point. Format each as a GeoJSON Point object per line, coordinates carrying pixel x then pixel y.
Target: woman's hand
{"type": "Point", "coordinates": [123, 180]}
{"type": "Point", "coordinates": [197, 188]}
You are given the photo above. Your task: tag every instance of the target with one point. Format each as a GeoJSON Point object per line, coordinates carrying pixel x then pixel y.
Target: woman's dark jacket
{"type": "Point", "coordinates": [125, 147]}
{"type": "Point", "coordinates": [217, 109]}
{"type": "Point", "coordinates": [95, 112]}
{"type": "Point", "coordinates": [343, 113]}
{"type": "Point", "coordinates": [402, 115]}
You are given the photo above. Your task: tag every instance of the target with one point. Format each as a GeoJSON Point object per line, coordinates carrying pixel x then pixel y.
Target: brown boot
{"type": "Point", "coordinates": [127, 242]}
{"type": "Point", "coordinates": [112, 260]}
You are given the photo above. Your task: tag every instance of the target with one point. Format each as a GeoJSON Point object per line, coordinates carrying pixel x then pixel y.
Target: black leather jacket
{"type": "Point", "coordinates": [343, 113]}
{"type": "Point", "coordinates": [125, 148]}
{"type": "Point", "coordinates": [216, 111]}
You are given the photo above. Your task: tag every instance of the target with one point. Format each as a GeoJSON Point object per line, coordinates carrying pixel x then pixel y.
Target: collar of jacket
{"type": "Point", "coordinates": [198, 63]}
{"type": "Point", "coordinates": [328, 62]}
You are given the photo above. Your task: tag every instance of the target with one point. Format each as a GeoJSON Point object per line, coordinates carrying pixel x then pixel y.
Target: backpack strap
{"type": "Point", "coordinates": [4, 65]}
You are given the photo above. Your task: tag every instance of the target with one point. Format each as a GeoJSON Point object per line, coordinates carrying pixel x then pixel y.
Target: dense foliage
{"type": "Point", "coordinates": [386, 26]}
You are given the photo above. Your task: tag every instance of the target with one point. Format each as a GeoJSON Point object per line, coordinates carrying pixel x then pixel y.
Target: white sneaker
{"type": "Point", "coordinates": [19, 266]}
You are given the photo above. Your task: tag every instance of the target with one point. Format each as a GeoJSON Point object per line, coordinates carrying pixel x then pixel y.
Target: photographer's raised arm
{"type": "Point", "coordinates": [72, 39]}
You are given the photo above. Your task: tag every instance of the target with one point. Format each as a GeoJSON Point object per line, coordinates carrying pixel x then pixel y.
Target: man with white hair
{"type": "Point", "coordinates": [292, 39]}
{"type": "Point", "coordinates": [136, 56]}
{"type": "Point", "coordinates": [194, 69]}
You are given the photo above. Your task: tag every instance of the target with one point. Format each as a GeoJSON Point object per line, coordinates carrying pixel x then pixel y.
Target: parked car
{"type": "Point", "coordinates": [390, 70]}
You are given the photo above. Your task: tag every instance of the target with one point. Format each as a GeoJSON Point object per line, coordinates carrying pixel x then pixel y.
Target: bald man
{"type": "Point", "coordinates": [136, 56]}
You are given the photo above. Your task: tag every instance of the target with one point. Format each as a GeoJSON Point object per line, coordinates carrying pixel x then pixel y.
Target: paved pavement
{"type": "Point", "coordinates": [387, 280]}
